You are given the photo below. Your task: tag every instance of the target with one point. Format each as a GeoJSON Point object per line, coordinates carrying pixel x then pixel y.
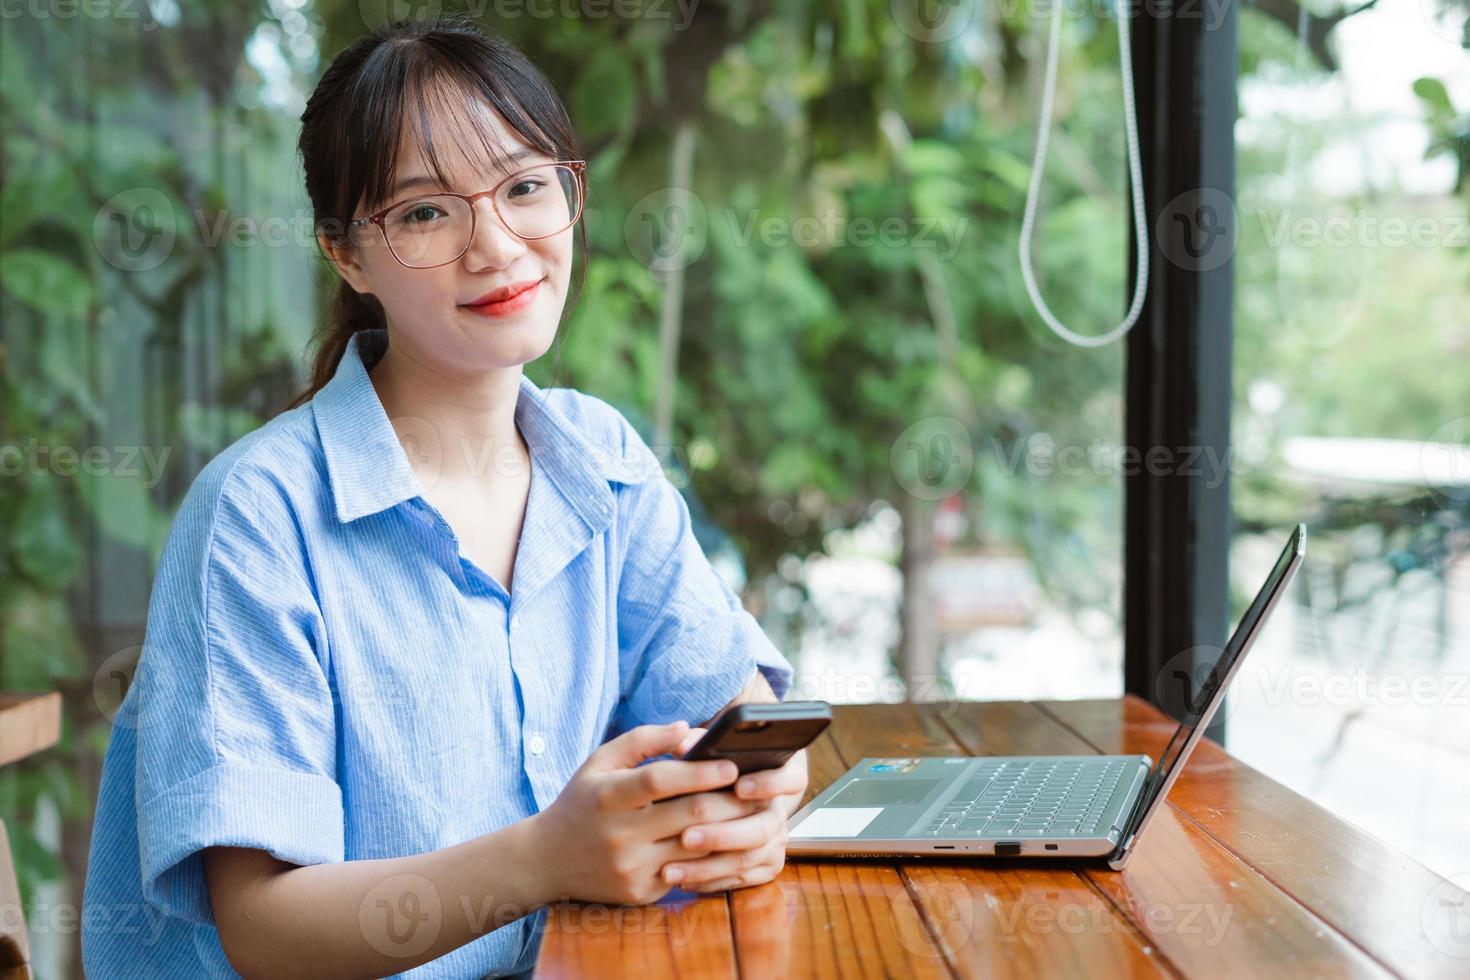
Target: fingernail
{"type": "Point", "coordinates": [745, 786]}
{"type": "Point", "coordinates": [728, 770]}
{"type": "Point", "coordinates": [695, 838]}
{"type": "Point", "coordinates": [673, 874]}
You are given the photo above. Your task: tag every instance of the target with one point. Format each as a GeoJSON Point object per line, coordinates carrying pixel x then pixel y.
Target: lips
{"type": "Point", "coordinates": [507, 299]}
{"type": "Point", "coordinates": [505, 292]}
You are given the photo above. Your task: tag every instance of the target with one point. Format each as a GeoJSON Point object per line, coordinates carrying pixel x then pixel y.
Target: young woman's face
{"type": "Point", "coordinates": [439, 316]}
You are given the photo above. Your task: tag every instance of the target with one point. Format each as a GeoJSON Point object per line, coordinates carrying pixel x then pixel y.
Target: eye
{"type": "Point", "coordinates": [421, 212]}
{"type": "Point", "coordinates": [526, 187]}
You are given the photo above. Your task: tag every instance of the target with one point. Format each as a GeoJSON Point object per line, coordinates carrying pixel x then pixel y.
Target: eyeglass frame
{"type": "Point", "coordinates": [578, 167]}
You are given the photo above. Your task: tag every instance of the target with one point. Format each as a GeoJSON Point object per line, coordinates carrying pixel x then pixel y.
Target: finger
{"type": "Point", "coordinates": [637, 744]}
{"type": "Point", "coordinates": [633, 788]}
{"type": "Point", "coordinates": [763, 785]}
{"type": "Point", "coordinates": [669, 818]}
{"type": "Point", "coordinates": [717, 868]}
{"type": "Point", "coordinates": [742, 833]}
{"type": "Point", "coordinates": [723, 885]}
{"type": "Point", "coordinates": [695, 734]}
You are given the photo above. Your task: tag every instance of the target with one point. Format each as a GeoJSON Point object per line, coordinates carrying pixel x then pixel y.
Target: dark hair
{"type": "Point", "coordinates": [354, 119]}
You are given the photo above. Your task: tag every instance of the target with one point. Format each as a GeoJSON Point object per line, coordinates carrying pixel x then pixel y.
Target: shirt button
{"type": "Point", "coordinates": [537, 745]}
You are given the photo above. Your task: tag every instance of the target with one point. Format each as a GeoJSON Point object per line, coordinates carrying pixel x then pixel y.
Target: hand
{"type": "Point", "coordinates": [748, 850]}
{"type": "Point", "coordinates": [614, 826]}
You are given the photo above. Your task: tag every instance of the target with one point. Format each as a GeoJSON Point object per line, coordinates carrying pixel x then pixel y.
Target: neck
{"type": "Point", "coordinates": [472, 417]}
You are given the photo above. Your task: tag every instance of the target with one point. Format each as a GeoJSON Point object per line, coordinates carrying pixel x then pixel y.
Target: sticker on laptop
{"type": "Point", "coordinates": [894, 765]}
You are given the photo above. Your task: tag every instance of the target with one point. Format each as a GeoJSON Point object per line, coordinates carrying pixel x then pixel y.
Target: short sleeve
{"type": "Point", "coordinates": [236, 736]}
{"type": "Point", "coordinates": [687, 647]}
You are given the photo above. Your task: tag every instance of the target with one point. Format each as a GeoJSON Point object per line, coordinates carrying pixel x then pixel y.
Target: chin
{"type": "Point", "coordinates": [516, 346]}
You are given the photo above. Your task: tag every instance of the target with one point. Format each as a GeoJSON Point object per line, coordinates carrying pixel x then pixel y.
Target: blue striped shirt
{"type": "Point", "coordinates": [325, 677]}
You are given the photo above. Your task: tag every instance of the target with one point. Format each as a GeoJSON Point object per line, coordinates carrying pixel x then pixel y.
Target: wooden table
{"type": "Point", "coordinates": [1240, 877]}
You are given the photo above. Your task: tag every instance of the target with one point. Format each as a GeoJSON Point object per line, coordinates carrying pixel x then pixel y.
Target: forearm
{"type": "Point", "coordinates": [757, 690]}
{"type": "Point", "coordinates": [374, 917]}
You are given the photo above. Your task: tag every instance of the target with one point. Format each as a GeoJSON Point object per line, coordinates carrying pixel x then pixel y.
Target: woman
{"type": "Point", "coordinates": [411, 642]}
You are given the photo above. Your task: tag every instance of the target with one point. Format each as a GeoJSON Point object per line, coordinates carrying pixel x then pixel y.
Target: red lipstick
{"type": "Point", "coordinates": [506, 300]}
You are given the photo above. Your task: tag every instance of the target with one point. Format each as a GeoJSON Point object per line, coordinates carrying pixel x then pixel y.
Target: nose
{"type": "Point", "coordinates": [492, 246]}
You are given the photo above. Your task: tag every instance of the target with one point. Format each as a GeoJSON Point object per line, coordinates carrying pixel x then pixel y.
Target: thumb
{"type": "Point", "coordinates": [633, 746]}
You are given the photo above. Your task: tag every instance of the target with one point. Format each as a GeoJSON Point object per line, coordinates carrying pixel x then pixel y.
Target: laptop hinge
{"type": "Point", "coordinates": [1137, 811]}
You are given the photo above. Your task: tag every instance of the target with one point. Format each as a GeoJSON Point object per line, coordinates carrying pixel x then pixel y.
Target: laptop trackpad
{"type": "Point", "coordinates": [883, 792]}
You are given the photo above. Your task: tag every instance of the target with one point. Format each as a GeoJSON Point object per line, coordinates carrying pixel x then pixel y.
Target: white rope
{"type": "Point", "coordinates": [1028, 222]}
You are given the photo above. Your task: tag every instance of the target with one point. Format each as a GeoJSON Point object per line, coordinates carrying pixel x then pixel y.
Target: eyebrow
{"type": "Point", "coordinates": [424, 180]}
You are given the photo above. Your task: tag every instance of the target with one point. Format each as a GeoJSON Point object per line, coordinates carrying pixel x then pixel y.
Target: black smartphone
{"type": "Point", "coordinates": [761, 736]}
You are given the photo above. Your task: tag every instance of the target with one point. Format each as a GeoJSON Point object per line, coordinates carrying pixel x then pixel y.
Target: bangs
{"type": "Point", "coordinates": [443, 93]}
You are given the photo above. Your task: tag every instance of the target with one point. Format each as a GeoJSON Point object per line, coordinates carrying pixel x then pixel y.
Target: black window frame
{"type": "Point", "coordinates": [1177, 518]}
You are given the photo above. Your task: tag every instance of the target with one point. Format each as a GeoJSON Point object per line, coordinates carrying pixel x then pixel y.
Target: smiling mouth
{"type": "Point", "coordinates": [506, 301]}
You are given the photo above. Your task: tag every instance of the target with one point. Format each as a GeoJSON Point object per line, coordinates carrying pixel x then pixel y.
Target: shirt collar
{"type": "Point", "coordinates": [370, 472]}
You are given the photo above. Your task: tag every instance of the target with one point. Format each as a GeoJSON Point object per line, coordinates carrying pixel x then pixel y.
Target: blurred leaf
{"type": "Point", "coordinates": [42, 545]}
{"type": "Point", "coordinates": [124, 508]}
{"type": "Point", "coordinates": [605, 97]}
{"type": "Point", "coordinates": [45, 281]}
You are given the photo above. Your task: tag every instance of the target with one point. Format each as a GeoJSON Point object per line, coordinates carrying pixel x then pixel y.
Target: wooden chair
{"type": "Point", "coordinates": [29, 723]}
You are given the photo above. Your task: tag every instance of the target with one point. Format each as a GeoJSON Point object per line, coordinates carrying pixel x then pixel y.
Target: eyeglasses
{"type": "Point", "coordinates": [436, 229]}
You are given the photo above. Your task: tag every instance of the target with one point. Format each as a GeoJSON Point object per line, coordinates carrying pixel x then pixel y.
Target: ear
{"type": "Point", "coordinates": [347, 260]}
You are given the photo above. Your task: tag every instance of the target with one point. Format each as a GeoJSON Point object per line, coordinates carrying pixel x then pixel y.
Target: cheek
{"type": "Point", "coordinates": [556, 255]}
{"type": "Point", "coordinates": [411, 294]}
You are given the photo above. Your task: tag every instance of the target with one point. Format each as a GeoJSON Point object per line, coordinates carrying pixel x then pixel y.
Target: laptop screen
{"type": "Point", "coordinates": [1213, 687]}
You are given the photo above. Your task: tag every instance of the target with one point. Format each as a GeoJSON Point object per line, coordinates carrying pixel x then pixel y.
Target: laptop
{"type": "Point", "coordinates": [1063, 806]}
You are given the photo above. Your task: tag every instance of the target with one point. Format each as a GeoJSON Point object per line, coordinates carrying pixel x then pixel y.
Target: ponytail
{"type": "Point", "coordinates": [352, 312]}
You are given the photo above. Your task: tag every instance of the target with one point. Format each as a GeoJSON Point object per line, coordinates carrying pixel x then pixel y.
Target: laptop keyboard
{"type": "Point", "coordinates": [1037, 796]}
